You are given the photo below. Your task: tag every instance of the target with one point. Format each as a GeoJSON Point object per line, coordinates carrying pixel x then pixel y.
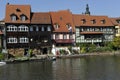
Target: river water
{"type": "Point", "coordinates": [89, 68]}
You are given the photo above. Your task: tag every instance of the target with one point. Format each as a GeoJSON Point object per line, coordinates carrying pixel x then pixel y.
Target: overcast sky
{"type": "Point", "coordinates": [110, 8]}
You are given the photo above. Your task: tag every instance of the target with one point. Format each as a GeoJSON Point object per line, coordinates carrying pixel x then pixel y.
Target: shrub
{"type": "Point", "coordinates": [1, 56]}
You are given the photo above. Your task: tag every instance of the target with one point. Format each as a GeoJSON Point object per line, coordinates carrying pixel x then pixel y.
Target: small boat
{"type": "Point", "coordinates": [2, 63]}
{"type": "Point", "coordinates": [53, 59]}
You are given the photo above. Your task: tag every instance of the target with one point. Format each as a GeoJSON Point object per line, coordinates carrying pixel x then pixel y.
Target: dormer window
{"type": "Point", "coordinates": [83, 21]}
{"type": "Point", "coordinates": [118, 21]}
{"type": "Point", "coordinates": [56, 26]}
{"type": "Point", "coordinates": [93, 21]}
{"type": "Point", "coordinates": [23, 17]}
{"type": "Point", "coordinates": [103, 21]}
{"type": "Point", "coordinates": [13, 17]}
{"type": "Point", "coordinates": [68, 25]}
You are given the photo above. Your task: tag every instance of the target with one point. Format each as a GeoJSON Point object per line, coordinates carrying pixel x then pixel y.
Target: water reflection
{"type": "Point", "coordinates": [90, 68]}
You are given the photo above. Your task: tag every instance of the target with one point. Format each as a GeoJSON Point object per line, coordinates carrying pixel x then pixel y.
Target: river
{"type": "Point", "coordinates": [87, 68]}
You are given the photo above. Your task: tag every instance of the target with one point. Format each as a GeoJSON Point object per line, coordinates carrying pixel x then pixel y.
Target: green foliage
{"type": "Point", "coordinates": [1, 56]}
{"type": "Point", "coordinates": [83, 50]}
{"type": "Point", "coordinates": [116, 42]}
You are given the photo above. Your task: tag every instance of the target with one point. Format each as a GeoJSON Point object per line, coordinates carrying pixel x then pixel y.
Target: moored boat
{"type": "Point", "coordinates": [2, 63]}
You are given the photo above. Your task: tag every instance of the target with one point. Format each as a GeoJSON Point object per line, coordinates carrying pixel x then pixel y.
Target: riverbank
{"type": "Point", "coordinates": [50, 57]}
{"type": "Point", "coordinates": [116, 53]}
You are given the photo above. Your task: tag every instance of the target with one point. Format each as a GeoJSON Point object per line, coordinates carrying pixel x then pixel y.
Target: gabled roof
{"type": "Point", "coordinates": [40, 18]}
{"type": "Point", "coordinates": [17, 10]}
{"type": "Point", "coordinates": [89, 18]}
{"type": "Point", "coordinates": [62, 18]}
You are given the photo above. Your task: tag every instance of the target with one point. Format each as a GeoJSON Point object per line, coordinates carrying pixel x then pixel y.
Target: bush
{"type": "Point", "coordinates": [1, 56]}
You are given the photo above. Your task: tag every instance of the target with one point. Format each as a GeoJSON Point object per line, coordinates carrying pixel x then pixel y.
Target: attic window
{"type": "Point", "coordinates": [23, 17]}
{"type": "Point", "coordinates": [18, 10]}
{"type": "Point", "coordinates": [56, 26]}
{"type": "Point", "coordinates": [13, 17]}
{"type": "Point", "coordinates": [118, 21]}
{"type": "Point", "coordinates": [103, 21]}
{"type": "Point", "coordinates": [93, 21]}
{"type": "Point", "coordinates": [68, 25]}
{"type": "Point", "coordinates": [83, 21]}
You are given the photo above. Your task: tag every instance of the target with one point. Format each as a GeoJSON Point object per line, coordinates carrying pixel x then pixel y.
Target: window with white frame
{"type": "Point", "coordinates": [49, 28]}
{"type": "Point", "coordinates": [64, 36]}
{"type": "Point", "coordinates": [31, 28]}
{"type": "Point", "coordinates": [22, 28]}
{"type": "Point", "coordinates": [23, 40]}
{"type": "Point", "coordinates": [13, 17]}
{"type": "Point", "coordinates": [70, 36]}
{"type": "Point", "coordinates": [56, 26]}
{"type": "Point", "coordinates": [11, 28]}
{"type": "Point", "coordinates": [11, 40]}
{"type": "Point", "coordinates": [43, 29]}
{"type": "Point", "coordinates": [23, 18]}
{"type": "Point", "coordinates": [57, 36]}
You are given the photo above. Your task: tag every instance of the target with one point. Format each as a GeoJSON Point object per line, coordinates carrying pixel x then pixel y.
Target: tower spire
{"type": "Point", "coordinates": [87, 12]}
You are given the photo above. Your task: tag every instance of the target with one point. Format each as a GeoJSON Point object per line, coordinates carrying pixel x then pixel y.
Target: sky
{"type": "Point", "coordinates": [110, 8]}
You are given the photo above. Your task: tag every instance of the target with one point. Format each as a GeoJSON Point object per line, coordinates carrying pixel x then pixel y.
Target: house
{"type": "Point", "coordinates": [116, 23]}
{"type": "Point", "coordinates": [2, 31]}
{"type": "Point", "coordinates": [63, 28]}
{"type": "Point", "coordinates": [27, 30]}
{"type": "Point", "coordinates": [92, 29]}
{"type": "Point", "coordinates": [40, 31]}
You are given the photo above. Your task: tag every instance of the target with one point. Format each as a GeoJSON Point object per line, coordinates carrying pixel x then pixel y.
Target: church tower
{"type": "Point", "coordinates": [87, 12]}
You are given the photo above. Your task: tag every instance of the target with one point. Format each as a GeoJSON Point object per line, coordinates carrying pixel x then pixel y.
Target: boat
{"type": "Point", "coordinates": [2, 63]}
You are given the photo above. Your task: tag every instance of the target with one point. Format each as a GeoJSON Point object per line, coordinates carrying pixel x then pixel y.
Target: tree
{"type": "Point", "coordinates": [116, 42]}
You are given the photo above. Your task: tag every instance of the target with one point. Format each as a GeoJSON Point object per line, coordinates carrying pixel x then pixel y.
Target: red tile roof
{"type": "Point", "coordinates": [62, 18]}
{"type": "Point", "coordinates": [17, 10]}
{"type": "Point", "coordinates": [40, 18]}
{"type": "Point", "coordinates": [88, 20]}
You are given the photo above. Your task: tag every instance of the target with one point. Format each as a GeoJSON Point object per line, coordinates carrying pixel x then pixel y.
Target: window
{"type": "Point", "coordinates": [56, 26]}
{"type": "Point", "coordinates": [57, 36]}
{"type": "Point", "coordinates": [118, 21]}
{"type": "Point", "coordinates": [42, 28]}
{"type": "Point", "coordinates": [12, 40]}
{"type": "Point", "coordinates": [13, 18]}
{"type": "Point", "coordinates": [83, 21]}
{"type": "Point", "coordinates": [68, 25]}
{"type": "Point", "coordinates": [23, 28]}
{"type": "Point", "coordinates": [11, 28]}
{"type": "Point", "coordinates": [49, 28]}
{"type": "Point", "coordinates": [93, 21]}
{"type": "Point", "coordinates": [70, 36]}
{"type": "Point", "coordinates": [103, 21]}
{"type": "Point", "coordinates": [31, 28]}
{"type": "Point", "coordinates": [23, 18]}
{"type": "Point", "coordinates": [23, 40]}
{"type": "Point", "coordinates": [64, 36]}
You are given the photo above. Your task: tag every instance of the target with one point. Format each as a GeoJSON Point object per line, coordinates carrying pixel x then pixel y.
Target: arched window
{"type": "Point", "coordinates": [23, 17]}
{"type": "Point", "coordinates": [23, 40]}
{"type": "Point", "coordinates": [23, 28]}
{"type": "Point", "coordinates": [11, 40]}
{"type": "Point", "coordinates": [11, 28]}
{"type": "Point", "coordinates": [13, 17]}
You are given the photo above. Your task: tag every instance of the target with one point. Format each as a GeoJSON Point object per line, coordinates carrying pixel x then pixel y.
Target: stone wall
{"type": "Point", "coordinates": [16, 52]}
